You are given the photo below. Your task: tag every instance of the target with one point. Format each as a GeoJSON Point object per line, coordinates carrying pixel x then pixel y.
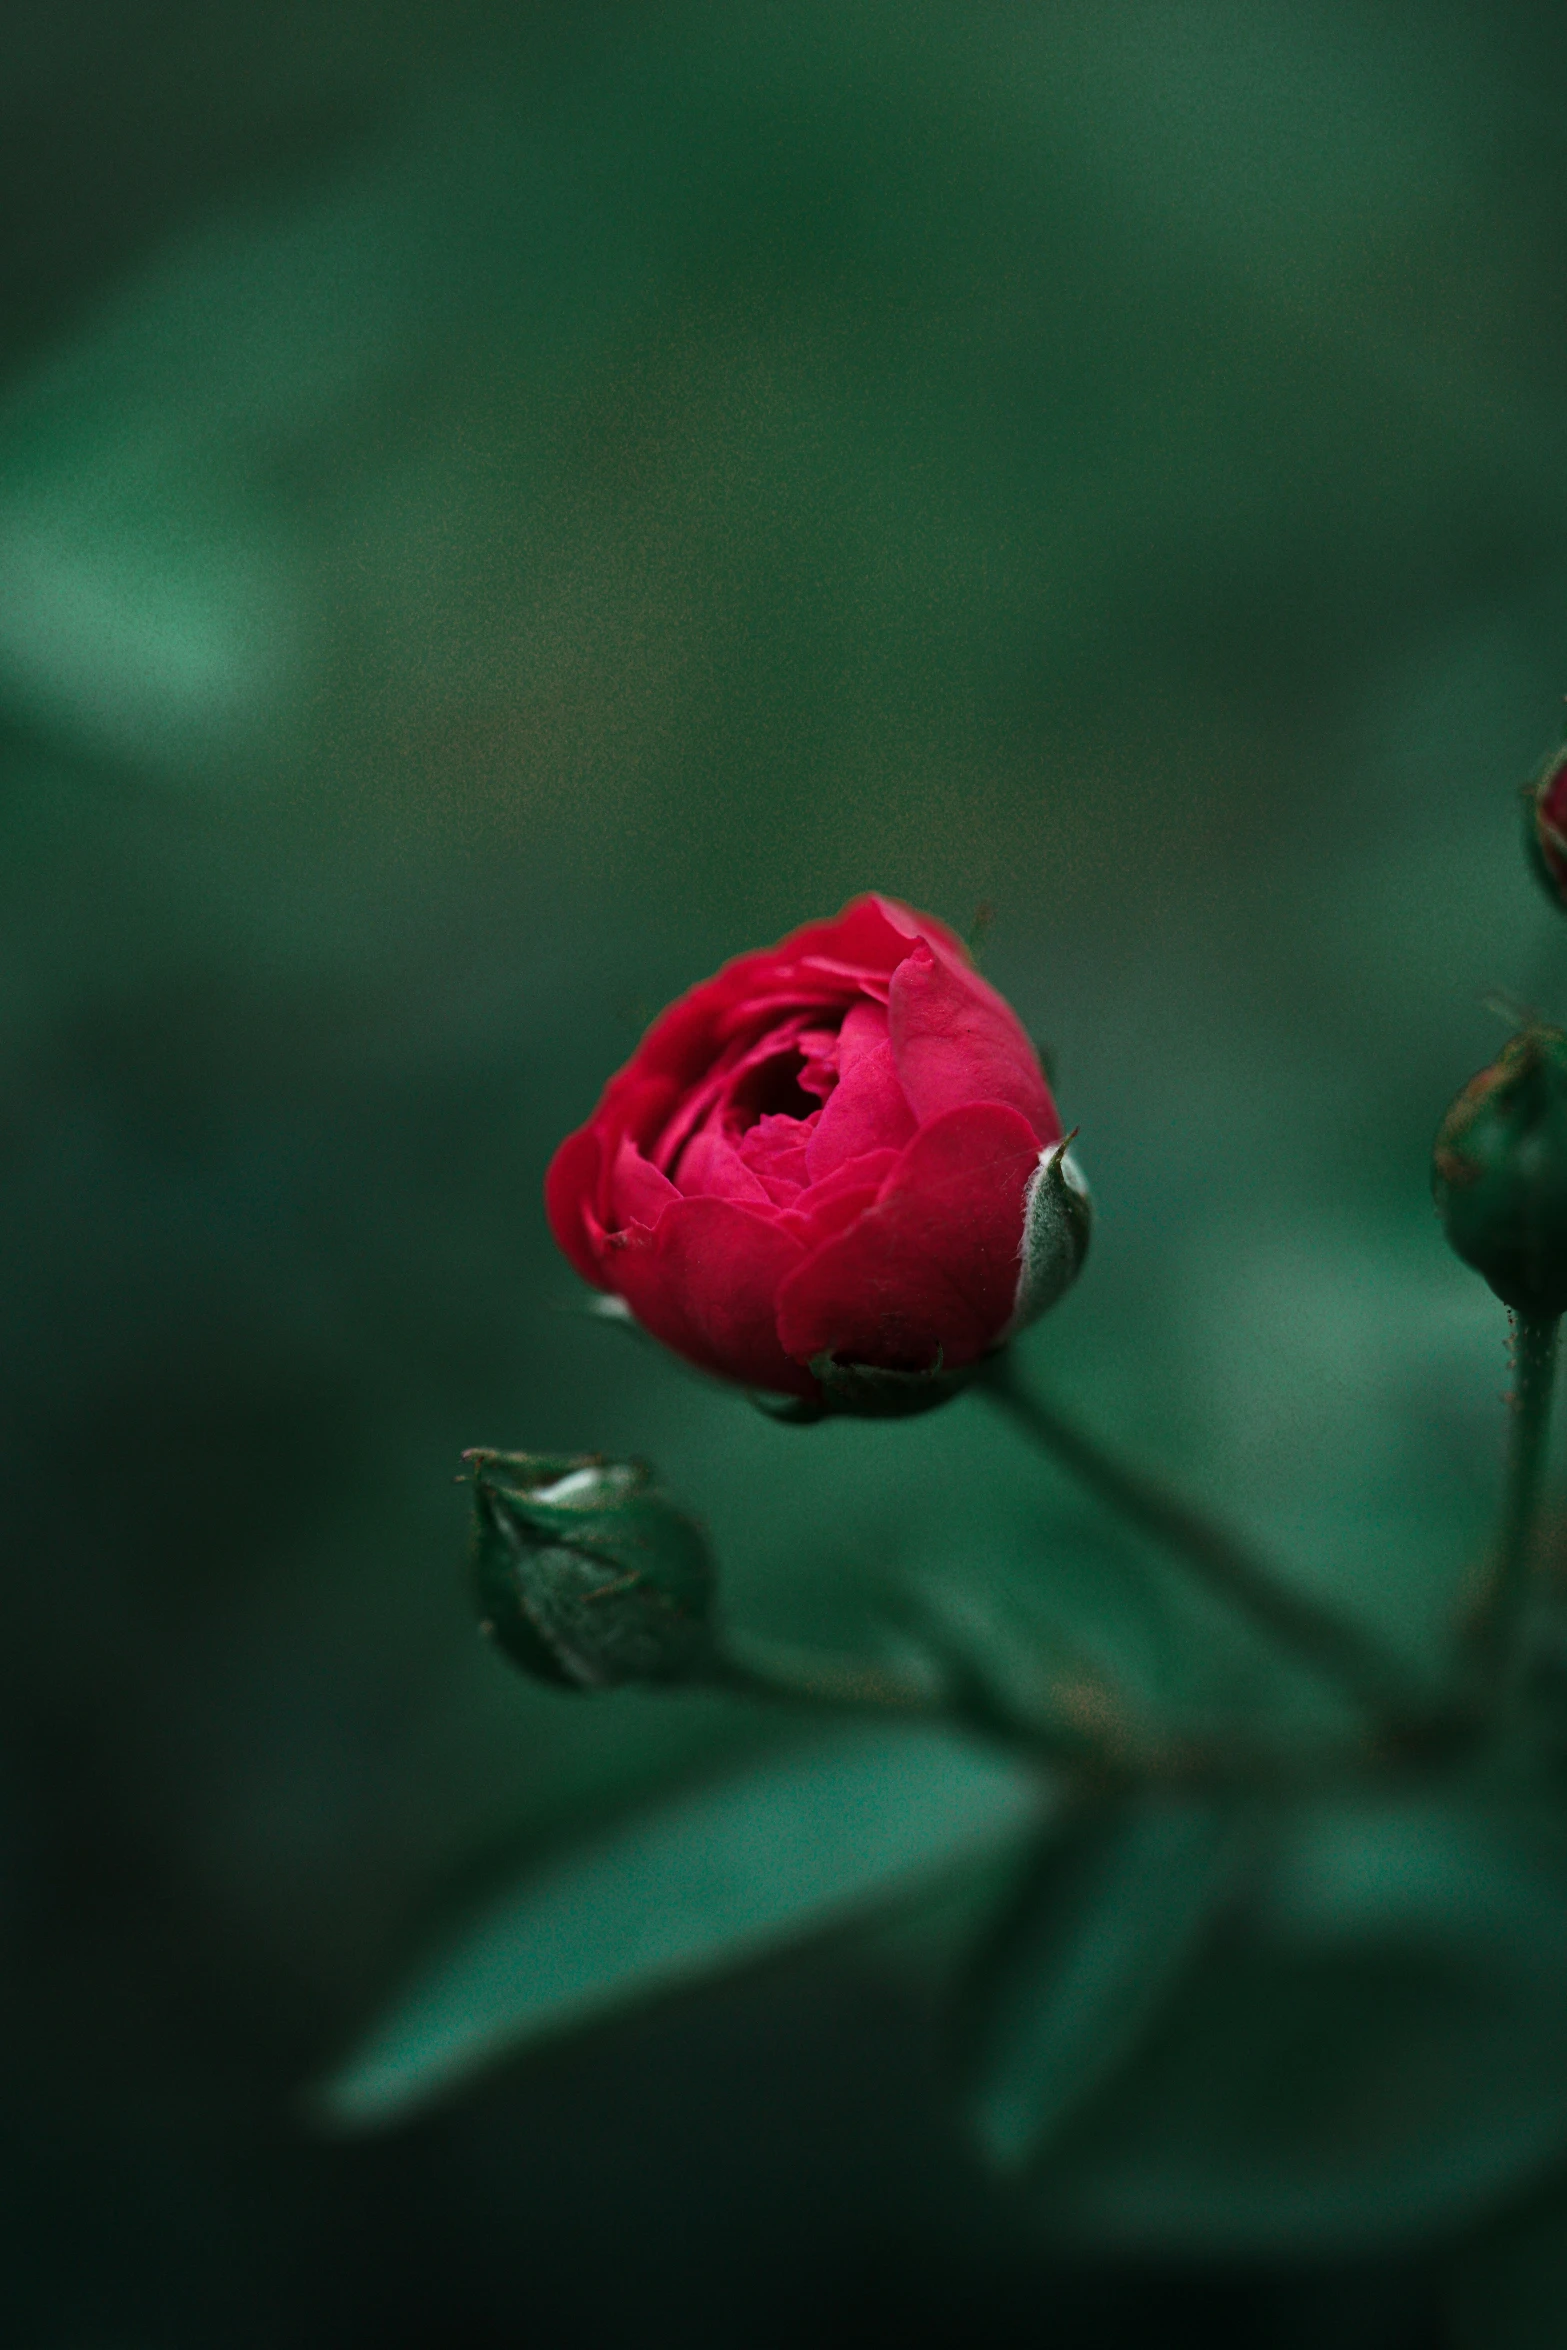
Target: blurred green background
{"type": "Point", "coordinates": [501, 507]}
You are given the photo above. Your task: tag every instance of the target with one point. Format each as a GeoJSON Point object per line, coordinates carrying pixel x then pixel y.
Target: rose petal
{"type": "Point", "coordinates": [734, 1065]}
{"type": "Point", "coordinates": [908, 925]}
{"type": "Point", "coordinates": [569, 1186]}
{"type": "Point", "coordinates": [835, 1213]}
{"type": "Point", "coordinates": [705, 1280]}
{"type": "Point", "coordinates": [640, 1106]}
{"type": "Point", "coordinates": [820, 965]}
{"type": "Point", "coordinates": [711, 1168]}
{"type": "Point", "coordinates": [956, 1041]}
{"type": "Point", "coordinates": [638, 1193]}
{"type": "Point", "coordinates": [823, 962]}
{"type": "Point", "coordinates": [819, 1060]}
{"type": "Point", "coordinates": [844, 980]}
{"type": "Point", "coordinates": [867, 1111]}
{"type": "Point", "coordinates": [826, 962]}
{"type": "Point", "coordinates": [866, 935]}
{"type": "Point", "coordinates": [864, 1028]}
{"type": "Point", "coordinates": [932, 1267]}
{"type": "Point", "coordinates": [815, 1213]}
{"type": "Point", "coordinates": [774, 1150]}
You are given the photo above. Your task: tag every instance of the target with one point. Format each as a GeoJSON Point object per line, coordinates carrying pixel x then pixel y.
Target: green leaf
{"type": "Point", "coordinates": [1376, 2052]}
{"type": "Point", "coordinates": [703, 1882]}
{"type": "Point", "coordinates": [1109, 1919]}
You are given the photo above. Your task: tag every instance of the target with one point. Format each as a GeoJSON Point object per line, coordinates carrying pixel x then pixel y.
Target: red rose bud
{"type": "Point", "coordinates": [1545, 829]}
{"type": "Point", "coordinates": [1500, 1174]}
{"type": "Point", "coordinates": [586, 1574]}
{"type": "Point", "coordinates": [833, 1171]}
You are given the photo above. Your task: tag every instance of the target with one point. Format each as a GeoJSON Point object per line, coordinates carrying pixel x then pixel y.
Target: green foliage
{"type": "Point", "coordinates": [1110, 1916]}
{"type": "Point", "coordinates": [1374, 2052]}
{"type": "Point", "coordinates": [709, 1879]}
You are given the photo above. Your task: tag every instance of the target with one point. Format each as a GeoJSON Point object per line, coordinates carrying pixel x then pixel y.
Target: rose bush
{"type": "Point", "coordinates": [829, 1154]}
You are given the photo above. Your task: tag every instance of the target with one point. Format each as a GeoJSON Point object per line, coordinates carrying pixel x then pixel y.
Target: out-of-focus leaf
{"type": "Point", "coordinates": [1080, 1971]}
{"type": "Point", "coordinates": [1509, 2287]}
{"type": "Point", "coordinates": [1013, 1662]}
{"type": "Point", "coordinates": [1381, 2052]}
{"type": "Point", "coordinates": [705, 1881]}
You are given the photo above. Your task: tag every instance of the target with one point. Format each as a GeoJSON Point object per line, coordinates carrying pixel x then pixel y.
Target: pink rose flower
{"type": "Point", "coordinates": [832, 1153]}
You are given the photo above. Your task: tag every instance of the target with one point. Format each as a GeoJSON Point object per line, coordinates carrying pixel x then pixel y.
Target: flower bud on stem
{"type": "Point", "coordinates": [586, 1574]}
{"type": "Point", "coordinates": [1499, 1173]}
{"type": "Point", "coordinates": [1545, 828]}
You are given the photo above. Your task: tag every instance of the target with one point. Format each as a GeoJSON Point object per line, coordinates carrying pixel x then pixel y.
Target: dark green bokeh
{"type": "Point", "coordinates": [498, 509]}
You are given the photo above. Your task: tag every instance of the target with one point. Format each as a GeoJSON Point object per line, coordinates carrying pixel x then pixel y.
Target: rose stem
{"type": "Point", "coordinates": [766, 1669]}
{"type": "Point", "coordinates": [1494, 1626]}
{"type": "Point", "coordinates": [1338, 1650]}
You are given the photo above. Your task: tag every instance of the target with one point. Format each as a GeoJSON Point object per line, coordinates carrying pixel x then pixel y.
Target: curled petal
{"type": "Point", "coordinates": [864, 1028]}
{"type": "Point", "coordinates": [866, 1111]}
{"type": "Point", "coordinates": [956, 1041]}
{"type": "Point", "coordinates": [705, 1280]}
{"type": "Point", "coordinates": [931, 1269]}
{"type": "Point", "coordinates": [638, 1193]}
{"type": "Point", "coordinates": [774, 1150]}
{"type": "Point", "coordinates": [910, 926]}
{"type": "Point", "coordinates": [825, 963]}
{"type": "Point", "coordinates": [822, 1210]}
{"type": "Point", "coordinates": [569, 1190]}
{"type": "Point", "coordinates": [711, 1168]}
{"type": "Point", "coordinates": [740, 1060]}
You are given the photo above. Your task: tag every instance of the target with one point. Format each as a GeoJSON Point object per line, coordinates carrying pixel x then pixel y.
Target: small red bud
{"type": "Point", "coordinates": [1546, 829]}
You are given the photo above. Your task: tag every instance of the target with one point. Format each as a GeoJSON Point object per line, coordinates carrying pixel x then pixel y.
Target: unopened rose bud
{"type": "Point", "coordinates": [1500, 1173]}
{"type": "Point", "coordinates": [1545, 829]}
{"type": "Point", "coordinates": [831, 1173]}
{"type": "Point", "coordinates": [586, 1574]}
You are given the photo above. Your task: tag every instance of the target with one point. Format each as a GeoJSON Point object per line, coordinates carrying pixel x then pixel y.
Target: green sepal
{"type": "Point", "coordinates": [860, 1391]}
{"type": "Point", "coordinates": [1499, 1173]}
{"type": "Point", "coordinates": [795, 1411]}
{"type": "Point", "coordinates": [1058, 1221]}
{"type": "Point", "coordinates": [586, 1574]}
{"type": "Point", "coordinates": [863, 1392]}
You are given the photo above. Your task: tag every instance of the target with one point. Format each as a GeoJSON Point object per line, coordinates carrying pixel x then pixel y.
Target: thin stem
{"type": "Point", "coordinates": [792, 1676]}
{"type": "Point", "coordinates": [765, 1668]}
{"type": "Point", "coordinates": [1340, 1651]}
{"type": "Point", "coordinates": [1495, 1624]}
{"type": "Point", "coordinates": [1115, 1753]}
